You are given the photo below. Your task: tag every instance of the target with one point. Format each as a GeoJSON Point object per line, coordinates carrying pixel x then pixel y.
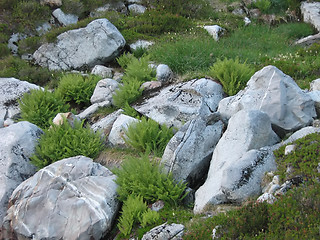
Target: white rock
{"type": "Point", "coordinates": [141, 44]}
{"type": "Point", "coordinates": [13, 42]}
{"type": "Point", "coordinates": [69, 116]}
{"type": "Point", "coordinates": [64, 19]}
{"type": "Point", "coordinates": [105, 124]}
{"type": "Point", "coordinates": [165, 231]}
{"type": "Point", "coordinates": [266, 197]}
{"type": "Point", "coordinates": [136, 8]}
{"type": "Point", "coordinates": [117, 6]}
{"type": "Point", "coordinates": [150, 85]}
{"type": "Point", "coordinates": [164, 73]}
{"type": "Point", "coordinates": [315, 85]}
{"type": "Point", "coordinates": [289, 149]}
{"type": "Point", "coordinates": [311, 13]}
{"type": "Point", "coordinates": [215, 31]}
{"type": "Point", "coordinates": [102, 71]}
{"type": "Point", "coordinates": [247, 21]}
{"type": "Point", "coordinates": [44, 28]}
{"type": "Point", "coordinates": [104, 90]}
{"type": "Point", "coordinates": [85, 114]}
{"type": "Point", "coordinates": [315, 96]}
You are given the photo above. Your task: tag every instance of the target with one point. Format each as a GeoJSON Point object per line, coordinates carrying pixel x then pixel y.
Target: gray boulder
{"type": "Point", "coordinates": [102, 71]}
{"type": "Point", "coordinates": [136, 8]}
{"type": "Point", "coordinates": [17, 144]}
{"type": "Point", "coordinates": [179, 103]}
{"type": "Point", "coordinates": [165, 231]}
{"type": "Point", "coordinates": [89, 111]}
{"type": "Point", "coordinates": [237, 166]}
{"type": "Point", "coordinates": [163, 73]}
{"type": "Point", "coordinates": [271, 91]}
{"type": "Point", "coordinates": [188, 153]}
{"type": "Point", "coordinates": [117, 6]}
{"type": "Point", "coordinates": [97, 43]}
{"type": "Point", "coordinates": [105, 124]}
{"type": "Point", "coordinates": [315, 85]}
{"type": "Point", "coordinates": [215, 31]}
{"type": "Point", "coordinates": [74, 198]}
{"type": "Point", "coordinates": [104, 90]}
{"type": "Point", "coordinates": [64, 19]}
{"type": "Point", "coordinates": [11, 89]}
{"type": "Point", "coordinates": [311, 13]}
{"type": "Point", "coordinates": [315, 96]}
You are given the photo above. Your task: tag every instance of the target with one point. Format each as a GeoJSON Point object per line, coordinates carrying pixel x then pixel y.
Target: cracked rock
{"type": "Point", "coordinates": [73, 198]}
{"type": "Point", "coordinates": [165, 231]}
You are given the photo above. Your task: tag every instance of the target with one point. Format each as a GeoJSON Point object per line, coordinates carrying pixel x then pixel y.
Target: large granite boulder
{"type": "Point", "coordinates": [188, 153]}
{"type": "Point", "coordinates": [11, 89]}
{"type": "Point", "coordinates": [271, 91]}
{"type": "Point", "coordinates": [97, 43]}
{"type": "Point", "coordinates": [237, 166]}
{"type": "Point", "coordinates": [311, 13]}
{"type": "Point", "coordinates": [74, 198]}
{"type": "Point", "coordinates": [17, 144]}
{"type": "Point", "coordinates": [179, 103]}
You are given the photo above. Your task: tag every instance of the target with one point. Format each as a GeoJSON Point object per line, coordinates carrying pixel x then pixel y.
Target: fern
{"type": "Point", "coordinates": [149, 217]}
{"type": "Point", "coordinates": [125, 59]}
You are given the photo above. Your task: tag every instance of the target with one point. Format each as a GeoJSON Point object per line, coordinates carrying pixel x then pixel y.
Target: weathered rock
{"type": "Point", "coordinates": [165, 231]}
{"type": "Point", "coordinates": [51, 3]}
{"type": "Point", "coordinates": [89, 111]}
{"type": "Point", "coordinates": [150, 85]}
{"type": "Point", "coordinates": [315, 85]}
{"type": "Point", "coordinates": [17, 144]}
{"type": "Point", "coordinates": [298, 134]}
{"type": "Point", "coordinates": [215, 31]}
{"type": "Point", "coordinates": [179, 103]}
{"type": "Point", "coordinates": [102, 71]}
{"type": "Point", "coordinates": [266, 197]}
{"type": "Point", "coordinates": [271, 91]}
{"type": "Point", "coordinates": [105, 124]}
{"type": "Point", "coordinates": [141, 44]}
{"type": "Point", "coordinates": [311, 13]}
{"type": "Point", "coordinates": [188, 153]}
{"type": "Point", "coordinates": [315, 96]}
{"type": "Point", "coordinates": [307, 41]}
{"type": "Point", "coordinates": [64, 19]}
{"type": "Point", "coordinates": [136, 8]}
{"type": "Point", "coordinates": [13, 42]}
{"type": "Point", "coordinates": [237, 167]}
{"type": "Point", "coordinates": [247, 21]}
{"type": "Point", "coordinates": [74, 198]}
{"type": "Point", "coordinates": [163, 73]}
{"type": "Point", "coordinates": [11, 89]}
{"type": "Point", "coordinates": [104, 90]}
{"type": "Point", "coordinates": [117, 132]}
{"type": "Point", "coordinates": [289, 149]}
{"type": "Point", "coordinates": [97, 43]}
{"type": "Point", "coordinates": [69, 116]}
{"type": "Point", "coordinates": [43, 28]}
{"type": "Point", "coordinates": [117, 6]}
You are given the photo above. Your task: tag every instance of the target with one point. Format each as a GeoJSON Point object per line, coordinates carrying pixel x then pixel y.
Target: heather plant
{"type": "Point", "coordinates": [232, 74]}
{"type": "Point", "coordinates": [140, 176]}
{"type": "Point", "coordinates": [63, 141]}
{"type": "Point", "coordinates": [147, 135]}
{"type": "Point", "coordinates": [41, 106]}
{"type": "Point", "coordinates": [77, 89]}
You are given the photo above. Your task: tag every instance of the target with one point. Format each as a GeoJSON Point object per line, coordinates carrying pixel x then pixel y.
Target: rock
{"type": "Point", "coordinates": [215, 234]}
{"type": "Point", "coordinates": [247, 21]}
{"type": "Point", "coordinates": [165, 231]}
{"type": "Point", "coordinates": [117, 131]}
{"type": "Point", "coordinates": [11, 89]}
{"type": "Point", "coordinates": [140, 44]}
{"type": "Point", "coordinates": [105, 124]}
{"type": "Point", "coordinates": [315, 85]}
{"type": "Point", "coordinates": [271, 91]}
{"type": "Point", "coordinates": [104, 90]}
{"type": "Point", "coordinates": [179, 103]}
{"type": "Point", "coordinates": [307, 41]}
{"type": "Point", "coordinates": [188, 153]}
{"type": "Point", "coordinates": [164, 73]}
{"type": "Point", "coordinates": [51, 3]}
{"type": "Point", "coordinates": [97, 43]}
{"type": "Point", "coordinates": [8, 122]}
{"type": "Point", "coordinates": [42, 29]}
{"type": "Point", "coordinates": [288, 185]}
{"type": "Point", "coordinates": [102, 71]}
{"type": "Point", "coordinates": [289, 149]}
{"type": "Point", "coordinates": [13, 42]}
{"type": "Point", "coordinates": [69, 116]}
{"type": "Point", "coordinates": [89, 111]}
{"type": "Point", "coordinates": [17, 144]}
{"type": "Point", "coordinates": [157, 206]}
{"type": "Point", "coordinates": [266, 197]}
{"type": "Point", "coordinates": [150, 85]}
{"type": "Point", "coordinates": [73, 198]}
{"type": "Point", "coordinates": [215, 31]}
{"type": "Point", "coordinates": [297, 135]}
{"type": "Point", "coordinates": [311, 13]}
{"type": "Point", "coordinates": [117, 6]}
{"type": "Point", "coordinates": [136, 8]}
{"type": "Point", "coordinates": [64, 19]}
{"type": "Point", "coordinates": [315, 96]}
{"type": "Point", "coordinates": [316, 123]}
{"type": "Point", "coordinates": [237, 166]}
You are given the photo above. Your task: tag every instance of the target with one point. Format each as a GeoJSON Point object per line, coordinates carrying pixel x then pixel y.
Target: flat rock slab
{"type": "Point", "coordinates": [74, 198]}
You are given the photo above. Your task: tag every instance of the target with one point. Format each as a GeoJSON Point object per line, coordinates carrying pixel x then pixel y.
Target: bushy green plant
{"type": "Point", "coordinates": [232, 74]}
{"type": "Point", "coordinates": [4, 50]}
{"type": "Point", "coordinates": [140, 176]}
{"type": "Point", "coordinates": [147, 135]}
{"type": "Point", "coordinates": [29, 45]}
{"type": "Point", "coordinates": [77, 89]}
{"type": "Point", "coordinates": [130, 111]}
{"type": "Point", "coordinates": [125, 59]}
{"type": "Point", "coordinates": [63, 141]}
{"type": "Point", "coordinates": [8, 4]}
{"type": "Point", "coordinates": [72, 7]}
{"type": "Point", "coordinates": [41, 106]}
{"type": "Point", "coordinates": [263, 5]}
{"type": "Point", "coordinates": [149, 217]}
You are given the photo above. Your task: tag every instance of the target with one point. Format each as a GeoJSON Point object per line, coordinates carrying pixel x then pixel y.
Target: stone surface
{"type": "Point", "coordinates": [89, 111]}
{"type": "Point", "coordinates": [69, 116]}
{"type": "Point", "coordinates": [238, 162]}
{"type": "Point", "coordinates": [289, 149]}
{"type": "Point", "coordinates": [307, 41]}
{"type": "Point", "coordinates": [188, 153]}
{"type": "Point", "coordinates": [215, 31]}
{"type": "Point", "coordinates": [11, 89]}
{"type": "Point", "coordinates": [315, 96]}
{"type": "Point", "coordinates": [141, 44]}
{"type": "Point", "coordinates": [64, 19]}
{"type": "Point", "coordinates": [165, 231]}
{"type": "Point", "coordinates": [17, 144]}
{"type": "Point", "coordinates": [136, 8]}
{"type": "Point", "coordinates": [102, 71]}
{"type": "Point", "coordinates": [266, 197]}
{"type": "Point", "coordinates": [315, 85]}
{"type": "Point", "coordinates": [311, 13]}
{"type": "Point", "coordinates": [97, 43]}
{"type": "Point", "coordinates": [13, 42]}
{"type": "Point", "coordinates": [271, 91]}
{"type": "Point", "coordinates": [43, 28]}
{"type": "Point", "coordinates": [118, 6]}
{"type": "Point", "coordinates": [179, 103]}
{"type": "Point", "coordinates": [51, 3]}
{"type": "Point", "coordinates": [104, 90]}
{"type": "Point", "coordinates": [117, 132]}
{"type": "Point", "coordinates": [105, 124]}
{"type": "Point", "coordinates": [163, 73]}
{"type": "Point", "coordinates": [74, 198]}
{"type": "Point", "coordinates": [150, 85]}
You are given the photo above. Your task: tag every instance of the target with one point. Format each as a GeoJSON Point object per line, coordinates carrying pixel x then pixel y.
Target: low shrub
{"type": "Point", "coordinates": [41, 106]}
{"type": "Point", "coordinates": [63, 141]}
{"type": "Point", "coordinates": [29, 45]}
{"type": "Point", "coordinates": [263, 5]}
{"type": "Point", "coordinates": [77, 89]}
{"type": "Point", "coordinates": [147, 135]}
{"type": "Point", "coordinates": [4, 50]}
{"type": "Point", "coordinates": [140, 176]}
{"type": "Point", "coordinates": [232, 74]}
{"type": "Point", "coordinates": [74, 7]}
